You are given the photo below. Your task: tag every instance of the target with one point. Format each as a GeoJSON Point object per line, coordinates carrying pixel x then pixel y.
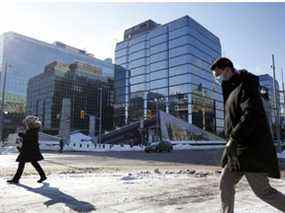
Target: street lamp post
{"type": "Point", "coordinates": [277, 118]}
{"type": "Point", "coordinates": [100, 113]}
{"type": "Point", "coordinates": [157, 100]}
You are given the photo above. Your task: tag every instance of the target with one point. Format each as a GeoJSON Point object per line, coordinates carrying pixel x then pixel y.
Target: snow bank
{"type": "Point", "coordinates": [80, 142]}
{"type": "Point", "coordinates": [8, 150]}
{"type": "Point", "coordinates": [281, 155]}
{"type": "Point", "coordinates": [89, 146]}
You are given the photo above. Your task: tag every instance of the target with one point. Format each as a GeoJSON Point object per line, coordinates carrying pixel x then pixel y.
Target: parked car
{"type": "Point", "coordinates": [161, 146]}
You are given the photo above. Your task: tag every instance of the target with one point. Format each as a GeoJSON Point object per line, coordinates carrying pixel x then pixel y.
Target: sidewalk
{"type": "Point", "coordinates": [122, 192]}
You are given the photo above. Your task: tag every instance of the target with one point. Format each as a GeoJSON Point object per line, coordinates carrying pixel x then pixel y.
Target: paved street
{"type": "Point", "coordinates": [124, 182]}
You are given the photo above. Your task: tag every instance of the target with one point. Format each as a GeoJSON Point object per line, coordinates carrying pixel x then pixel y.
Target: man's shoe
{"type": "Point", "coordinates": [42, 179]}
{"type": "Point", "coordinates": [12, 181]}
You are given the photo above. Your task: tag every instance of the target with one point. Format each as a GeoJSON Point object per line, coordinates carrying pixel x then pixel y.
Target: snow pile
{"type": "Point", "coordinates": [89, 146]}
{"type": "Point", "coordinates": [49, 145]}
{"type": "Point", "coordinates": [196, 145]}
{"type": "Point", "coordinates": [281, 155]}
{"type": "Point", "coordinates": [80, 142]}
{"type": "Point", "coordinates": [79, 137]}
{"type": "Point", "coordinates": [131, 177]}
{"type": "Point", "coordinates": [8, 150]}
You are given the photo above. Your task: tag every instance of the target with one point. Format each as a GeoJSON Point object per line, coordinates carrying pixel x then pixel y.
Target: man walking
{"type": "Point", "coordinates": [250, 150]}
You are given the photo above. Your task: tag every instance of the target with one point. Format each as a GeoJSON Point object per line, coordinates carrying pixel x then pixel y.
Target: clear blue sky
{"type": "Point", "coordinates": [249, 32]}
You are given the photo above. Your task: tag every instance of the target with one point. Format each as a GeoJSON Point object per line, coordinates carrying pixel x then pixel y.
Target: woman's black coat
{"type": "Point", "coordinates": [245, 120]}
{"type": "Point", "coordinates": [30, 150]}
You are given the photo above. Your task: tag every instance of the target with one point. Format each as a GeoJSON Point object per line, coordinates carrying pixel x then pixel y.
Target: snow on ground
{"type": "Point", "coordinates": [281, 155]}
{"type": "Point", "coordinates": [141, 192]}
{"type": "Point", "coordinates": [131, 182]}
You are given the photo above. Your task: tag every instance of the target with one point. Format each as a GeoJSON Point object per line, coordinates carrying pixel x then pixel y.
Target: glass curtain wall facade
{"type": "Point", "coordinates": [267, 82]}
{"type": "Point", "coordinates": [28, 57]}
{"type": "Point", "coordinates": [167, 68]}
{"type": "Point", "coordinates": [79, 82]}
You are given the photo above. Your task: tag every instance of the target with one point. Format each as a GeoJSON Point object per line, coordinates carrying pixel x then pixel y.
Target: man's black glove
{"type": "Point", "coordinates": [231, 150]}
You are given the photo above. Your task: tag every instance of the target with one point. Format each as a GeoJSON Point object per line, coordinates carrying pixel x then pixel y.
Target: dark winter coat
{"type": "Point", "coordinates": [30, 150]}
{"type": "Point", "coordinates": [245, 120]}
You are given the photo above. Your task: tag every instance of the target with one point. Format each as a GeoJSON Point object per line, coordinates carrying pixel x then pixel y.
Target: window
{"type": "Point", "coordinates": [158, 48]}
{"type": "Point", "coordinates": [159, 65]}
{"type": "Point", "coordinates": [137, 55]}
{"type": "Point", "coordinates": [158, 57]}
{"type": "Point", "coordinates": [158, 39]}
{"type": "Point", "coordinates": [179, 89]}
{"type": "Point", "coordinates": [179, 79]}
{"type": "Point", "coordinates": [137, 63]}
{"type": "Point", "coordinates": [178, 23]}
{"type": "Point", "coordinates": [137, 79]}
{"type": "Point", "coordinates": [181, 69]}
{"type": "Point", "coordinates": [157, 32]}
{"type": "Point", "coordinates": [179, 32]}
{"type": "Point", "coordinates": [163, 91]}
{"type": "Point", "coordinates": [179, 41]}
{"type": "Point", "coordinates": [121, 60]}
{"type": "Point", "coordinates": [138, 71]}
{"type": "Point", "coordinates": [121, 52]}
{"type": "Point", "coordinates": [121, 45]}
{"type": "Point", "coordinates": [137, 47]}
{"type": "Point", "coordinates": [158, 83]}
{"type": "Point", "coordinates": [159, 74]}
{"type": "Point", "coordinates": [137, 87]}
{"type": "Point", "coordinates": [137, 40]}
{"type": "Point", "coordinates": [179, 51]}
{"type": "Point", "coordinates": [183, 59]}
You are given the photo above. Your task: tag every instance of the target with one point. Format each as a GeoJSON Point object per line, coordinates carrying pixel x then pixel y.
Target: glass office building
{"type": "Point", "coordinates": [267, 82]}
{"type": "Point", "coordinates": [83, 84]}
{"type": "Point", "coordinates": [27, 57]}
{"type": "Point", "coordinates": [167, 68]}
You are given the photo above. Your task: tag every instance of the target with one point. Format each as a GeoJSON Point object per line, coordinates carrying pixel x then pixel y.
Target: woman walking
{"type": "Point", "coordinates": [29, 151]}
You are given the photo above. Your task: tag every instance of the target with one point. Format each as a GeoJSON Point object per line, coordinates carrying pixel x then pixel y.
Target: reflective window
{"type": "Point", "coordinates": [158, 65]}
{"type": "Point", "coordinates": [158, 57]}
{"type": "Point", "coordinates": [121, 45]}
{"type": "Point", "coordinates": [179, 32]}
{"type": "Point", "coordinates": [179, 89]}
{"type": "Point", "coordinates": [179, 41]}
{"type": "Point", "coordinates": [121, 60]}
{"type": "Point", "coordinates": [158, 39]}
{"type": "Point", "coordinates": [220, 114]}
{"type": "Point", "coordinates": [179, 23]}
{"type": "Point", "coordinates": [137, 47]}
{"type": "Point", "coordinates": [137, 63]}
{"type": "Point", "coordinates": [183, 59]}
{"type": "Point", "coordinates": [201, 45]}
{"type": "Point", "coordinates": [137, 79]}
{"type": "Point", "coordinates": [29, 57]}
{"type": "Point", "coordinates": [219, 105]}
{"type": "Point", "coordinates": [179, 51]}
{"type": "Point", "coordinates": [179, 79]}
{"type": "Point", "coordinates": [137, 55]}
{"type": "Point", "coordinates": [121, 52]}
{"type": "Point", "coordinates": [159, 74]}
{"type": "Point", "coordinates": [158, 48]}
{"type": "Point", "coordinates": [160, 92]}
{"type": "Point", "coordinates": [137, 40]}
{"type": "Point", "coordinates": [138, 71]}
{"type": "Point", "coordinates": [181, 69]}
{"type": "Point", "coordinates": [137, 87]}
{"type": "Point", "coordinates": [158, 83]}
{"type": "Point", "coordinates": [157, 32]}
